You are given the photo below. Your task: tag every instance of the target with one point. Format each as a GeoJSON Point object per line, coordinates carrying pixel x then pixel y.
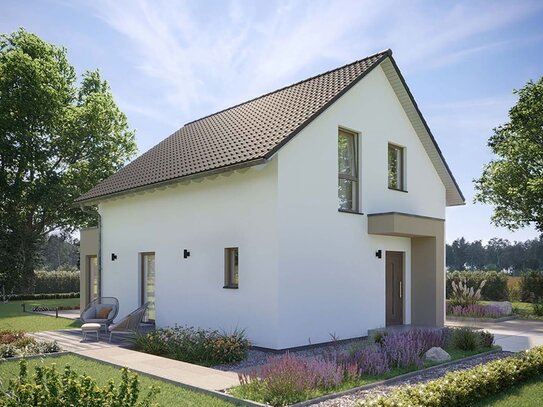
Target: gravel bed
{"type": "Point", "coordinates": [424, 376]}
{"type": "Point", "coordinates": [258, 357]}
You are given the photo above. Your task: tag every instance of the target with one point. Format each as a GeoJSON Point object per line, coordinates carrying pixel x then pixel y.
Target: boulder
{"type": "Point", "coordinates": [436, 354]}
{"type": "Point", "coordinates": [504, 306]}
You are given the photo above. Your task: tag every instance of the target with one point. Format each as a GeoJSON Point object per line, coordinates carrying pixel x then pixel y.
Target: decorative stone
{"type": "Point", "coordinates": [436, 354]}
{"type": "Point", "coordinates": [505, 306]}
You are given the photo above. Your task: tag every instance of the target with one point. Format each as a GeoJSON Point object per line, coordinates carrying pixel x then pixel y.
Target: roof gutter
{"type": "Point", "coordinates": [170, 182]}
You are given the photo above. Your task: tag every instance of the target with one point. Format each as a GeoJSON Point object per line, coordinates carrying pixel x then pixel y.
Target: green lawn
{"type": "Point", "coordinates": [525, 310]}
{"type": "Point", "coordinates": [529, 394]}
{"type": "Point", "coordinates": [170, 395]}
{"type": "Point", "coordinates": [13, 317]}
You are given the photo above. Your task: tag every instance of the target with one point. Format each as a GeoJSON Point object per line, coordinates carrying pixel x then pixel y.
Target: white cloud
{"type": "Point", "coordinates": [208, 55]}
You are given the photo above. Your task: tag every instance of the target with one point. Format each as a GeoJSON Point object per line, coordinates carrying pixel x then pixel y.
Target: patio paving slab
{"type": "Point", "coordinates": [172, 370]}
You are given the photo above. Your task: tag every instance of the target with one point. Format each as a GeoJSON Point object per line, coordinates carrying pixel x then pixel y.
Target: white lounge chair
{"type": "Point", "coordinates": [130, 323]}
{"type": "Point", "coordinates": [91, 313]}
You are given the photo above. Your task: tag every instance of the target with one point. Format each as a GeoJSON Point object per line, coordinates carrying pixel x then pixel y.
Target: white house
{"type": "Point", "coordinates": [316, 209]}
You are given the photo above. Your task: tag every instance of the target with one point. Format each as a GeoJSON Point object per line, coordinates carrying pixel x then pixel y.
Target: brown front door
{"type": "Point", "coordinates": [394, 288]}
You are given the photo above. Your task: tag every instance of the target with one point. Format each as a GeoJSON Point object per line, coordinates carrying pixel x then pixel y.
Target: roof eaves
{"type": "Point", "coordinates": [427, 128]}
{"type": "Point", "coordinates": [96, 199]}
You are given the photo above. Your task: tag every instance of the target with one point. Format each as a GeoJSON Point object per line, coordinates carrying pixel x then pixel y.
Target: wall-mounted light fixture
{"type": "Point", "coordinates": [113, 257]}
{"type": "Point", "coordinates": [186, 253]}
{"type": "Point", "coordinates": [378, 254]}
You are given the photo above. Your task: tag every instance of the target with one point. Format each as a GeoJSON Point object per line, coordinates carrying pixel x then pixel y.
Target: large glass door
{"type": "Point", "coordinates": [148, 284]}
{"type": "Point", "coordinates": [93, 281]}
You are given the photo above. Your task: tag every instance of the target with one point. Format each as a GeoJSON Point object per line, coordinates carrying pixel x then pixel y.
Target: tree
{"type": "Point", "coordinates": [58, 139]}
{"type": "Point", "coordinates": [513, 182]}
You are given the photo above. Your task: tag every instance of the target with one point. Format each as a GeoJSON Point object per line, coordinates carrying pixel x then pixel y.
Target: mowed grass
{"type": "Point", "coordinates": [170, 395]}
{"type": "Point", "coordinates": [13, 317]}
{"type": "Point", "coordinates": [529, 394]}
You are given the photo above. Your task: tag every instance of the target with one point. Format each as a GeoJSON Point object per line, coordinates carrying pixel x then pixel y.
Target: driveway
{"type": "Point", "coordinates": [513, 335]}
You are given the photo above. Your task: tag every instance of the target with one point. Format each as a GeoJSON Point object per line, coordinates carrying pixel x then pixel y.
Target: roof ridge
{"type": "Point", "coordinates": [385, 51]}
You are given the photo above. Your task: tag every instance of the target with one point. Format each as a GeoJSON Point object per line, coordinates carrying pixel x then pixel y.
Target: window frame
{"type": "Point", "coordinates": [401, 167]}
{"type": "Point", "coordinates": [356, 179]}
{"type": "Point", "coordinates": [231, 268]}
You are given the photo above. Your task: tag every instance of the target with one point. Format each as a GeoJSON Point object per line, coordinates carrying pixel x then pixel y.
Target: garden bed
{"type": "Point", "coordinates": [17, 343]}
{"type": "Point", "coordinates": [299, 376]}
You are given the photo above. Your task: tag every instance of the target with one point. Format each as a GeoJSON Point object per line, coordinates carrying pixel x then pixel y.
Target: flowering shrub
{"type": "Point", "coordinates": [287, 379]}
{"type": "Point", "coordinates": [406, 349]}
{"type": "Point", "coordinates": [16, 343]}
{"type": "Point", "coordinates": [200, 346]}
{"type": "Point", "coordinates": [465, 387]}
{"type": "Point", "coordinates": [475, 311]}
{"type": "Point", "coordinates": [50, 388]}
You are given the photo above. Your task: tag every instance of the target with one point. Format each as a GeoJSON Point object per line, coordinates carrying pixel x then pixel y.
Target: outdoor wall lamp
{"type": "Point", "coordinates": [378, 254]}
{"type": "Point", "coordinates": [186, 253]}
{"type": "Point", "coordinates": [113, 257]}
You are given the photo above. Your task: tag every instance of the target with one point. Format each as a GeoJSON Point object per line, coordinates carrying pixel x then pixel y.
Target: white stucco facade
{"type": "Point", "coordinates": [306, 271]}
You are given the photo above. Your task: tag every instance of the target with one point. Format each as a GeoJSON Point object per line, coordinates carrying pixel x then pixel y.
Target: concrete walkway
{"type": "Point", "coordinates": [172, 370]}
{"type": "Point", "coordinates": [513, 335]}
{"type": "Point", "coordinates": [116, 353]}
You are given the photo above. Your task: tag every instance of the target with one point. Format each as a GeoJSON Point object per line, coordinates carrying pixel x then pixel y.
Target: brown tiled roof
{"type": "Point", "coordinates": [244, 133]}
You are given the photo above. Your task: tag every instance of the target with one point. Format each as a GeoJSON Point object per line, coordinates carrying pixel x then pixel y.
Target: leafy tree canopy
{"type": "Point", "coordinates": [58, 138]}
{"type": "Point", "coordinates": [513, 182]}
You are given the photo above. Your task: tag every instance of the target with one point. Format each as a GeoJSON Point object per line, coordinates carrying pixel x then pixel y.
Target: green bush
{"type": "Point", "coordinates": [49, 388]}
{"type": "Point", "coordinates": [465, 339]}
{"type": "Point", "coordinates": [531, 286]}
{"type": "Point", "coordinates": [48, 282]}
{"type": "Point", "coordinates": [486, 339]}
{"type": "Point", "coordinates": [495, 288]}
{"type": "Point", "coordinates": [200, 346]}
{"type": "Point", "coordinates": [537, 307]}
{"type": "Point", "coordinates": [465, 387]}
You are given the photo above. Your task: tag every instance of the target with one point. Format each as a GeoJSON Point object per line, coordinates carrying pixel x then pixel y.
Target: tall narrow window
{"type": "Point", "coordinates": [148, 284]}
{"type": "Point", "coordinates": [395, 167]}
{"type": "Point", "coordinates": [231, 266]}
{"type": "Point", "coordinates": [347, 171]}
{"type": "Point", "coordinates": [92, 267]}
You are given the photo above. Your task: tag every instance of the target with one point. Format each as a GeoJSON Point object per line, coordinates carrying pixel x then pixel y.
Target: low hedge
{"type": "Point", "coordinates": [30, 297]}
{"type": "Point", "coordinates": [465, 387]}
{"type": "Point", "coordinates": [495, 288]}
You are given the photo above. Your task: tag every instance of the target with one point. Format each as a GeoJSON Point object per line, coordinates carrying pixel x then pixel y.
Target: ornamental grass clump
{"type": "Point", "coordinates": [464, 295]}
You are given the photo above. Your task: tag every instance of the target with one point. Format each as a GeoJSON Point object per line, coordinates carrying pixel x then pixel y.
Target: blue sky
{"type": "Point", "coordinates": [170, 62]}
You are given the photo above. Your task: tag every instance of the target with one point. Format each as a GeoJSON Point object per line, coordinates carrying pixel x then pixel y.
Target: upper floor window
{"type": "Point", "coordinates": [396, 177]}
{"type": "Point", "coordinates": [347, 171]}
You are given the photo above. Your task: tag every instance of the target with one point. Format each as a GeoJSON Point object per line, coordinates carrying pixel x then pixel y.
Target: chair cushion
{"type": "Point", "coordinates": [103, 313]}
{"type": "Point", "coordinates": [90, 327]}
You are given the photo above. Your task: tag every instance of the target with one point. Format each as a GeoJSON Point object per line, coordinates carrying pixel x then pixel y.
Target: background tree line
{"type": "Point", "coordinates": [498, 254]}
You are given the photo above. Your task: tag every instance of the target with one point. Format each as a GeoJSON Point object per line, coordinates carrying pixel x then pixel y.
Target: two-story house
{"type": "Point", "coordinates": [313, 210]}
